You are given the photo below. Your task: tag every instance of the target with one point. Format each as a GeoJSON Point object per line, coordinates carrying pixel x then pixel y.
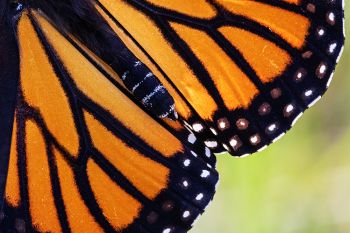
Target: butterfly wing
{"type": "Point", "coordinates": [241, 72]}
{"type": "Point", "coordinates": [84, 157]}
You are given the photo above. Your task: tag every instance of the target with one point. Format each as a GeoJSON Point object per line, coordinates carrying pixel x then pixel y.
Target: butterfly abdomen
{"type": "Point", "coordinates": [145, 86]}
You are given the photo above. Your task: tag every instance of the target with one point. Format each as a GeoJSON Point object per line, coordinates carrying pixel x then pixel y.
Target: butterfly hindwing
{"type": "Point", "coordinates": [241, 72]}
{"type": "Point", "coordinates": [84, 156]}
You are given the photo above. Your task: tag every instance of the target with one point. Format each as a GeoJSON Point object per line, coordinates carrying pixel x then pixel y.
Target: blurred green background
{"type": "Point", "coordinates": [301, 184]}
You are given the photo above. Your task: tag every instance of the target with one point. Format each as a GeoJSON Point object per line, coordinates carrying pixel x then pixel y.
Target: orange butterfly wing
{"type": "Point", "coordinates": [241, 72]}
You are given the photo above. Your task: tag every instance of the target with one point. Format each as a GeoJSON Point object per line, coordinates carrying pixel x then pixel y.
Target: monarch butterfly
{"type": "Point", "coordinates": [237, 74]}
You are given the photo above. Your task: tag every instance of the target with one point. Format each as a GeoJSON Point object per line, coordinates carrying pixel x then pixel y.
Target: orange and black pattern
{"type": "Point", "coordinates": [241, 71]}
{"type": "Point", "coordinates": [83, 151]}
{"type": "Point", "coordinates": [84, 155]}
